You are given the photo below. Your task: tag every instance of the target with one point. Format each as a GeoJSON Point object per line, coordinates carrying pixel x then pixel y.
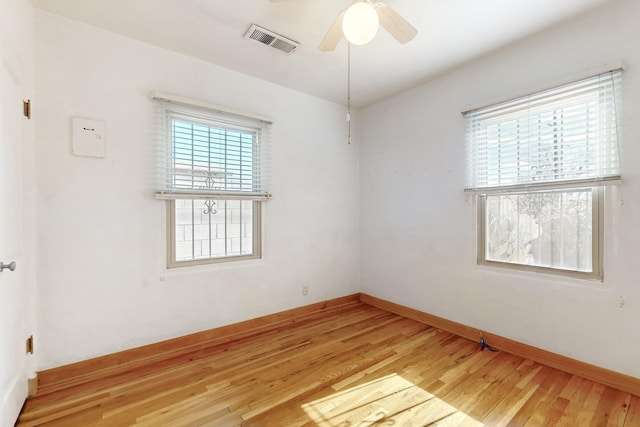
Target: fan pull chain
{"type": "Point", "coordinates": [349, 91]}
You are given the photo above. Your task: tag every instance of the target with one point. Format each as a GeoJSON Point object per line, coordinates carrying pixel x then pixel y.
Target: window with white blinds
{"type": "Point", "coordinates": [213, 157]}
{"type": "Point", "coordinates": [566, 136]}
{"type": "Point", "coordinates": [213, 173]}
{"type": "Point", "coordinates": [207, 152]}
{"type": "Point", "coordinates": [536, 163]}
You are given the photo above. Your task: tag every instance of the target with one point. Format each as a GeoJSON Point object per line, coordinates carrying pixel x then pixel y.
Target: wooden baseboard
{"type": "Point", "coordinates": [603, 376]}
{"type": "Point", "coordinates": [33, 386]}
{"type": "Point", "coordinates": [135, 361]}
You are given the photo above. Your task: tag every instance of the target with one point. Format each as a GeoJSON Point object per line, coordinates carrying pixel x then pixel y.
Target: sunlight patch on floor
{"type": "Point", "coordinates": [390, 400]}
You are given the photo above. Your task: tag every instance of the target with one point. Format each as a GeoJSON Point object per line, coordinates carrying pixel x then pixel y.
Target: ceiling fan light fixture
{"type": "Point", "coordinates": [360, 23]}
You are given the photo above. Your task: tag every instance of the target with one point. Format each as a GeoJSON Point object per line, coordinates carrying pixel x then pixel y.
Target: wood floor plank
{"type": "Point", "coordinates": [504, 412]}
{"type": "Point", "coordinates": [354, 365]}
{"type": "Point", "coordinates": [612, 409]}
{"type": "Point", "coordinates": [586, 413]}
{"type": "Point", "coordinates": [633, 415]}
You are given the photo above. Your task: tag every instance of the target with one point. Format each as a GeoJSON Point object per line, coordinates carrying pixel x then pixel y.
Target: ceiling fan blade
{"type": "Point", "coordinates": [333, 36]}
{"type": "Point", "coordinates": [395, 24]}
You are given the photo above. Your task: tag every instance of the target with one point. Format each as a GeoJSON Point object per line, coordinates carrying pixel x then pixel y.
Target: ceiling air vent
{"type": "Point", "coordinates": [269, 38]}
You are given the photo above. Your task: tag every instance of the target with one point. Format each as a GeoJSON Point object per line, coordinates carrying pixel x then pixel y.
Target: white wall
{"type": "Point", "coordinates": [417, 225]}
{"type": "Point", "coordinates": [101, 234]}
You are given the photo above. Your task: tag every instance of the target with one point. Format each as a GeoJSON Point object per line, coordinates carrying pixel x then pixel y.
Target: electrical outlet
{"type": "Point", "coordinates": [305, 290]}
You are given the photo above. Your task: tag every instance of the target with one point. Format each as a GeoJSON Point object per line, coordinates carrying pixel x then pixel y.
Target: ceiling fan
{"type": "Point", "coordinates": [359, 24]}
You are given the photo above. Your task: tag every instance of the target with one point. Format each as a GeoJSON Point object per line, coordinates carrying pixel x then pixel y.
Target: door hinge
{"type": "Point", "coordinates": [26, 108]}
{"type": "Point", "coordinates": [30, 344]}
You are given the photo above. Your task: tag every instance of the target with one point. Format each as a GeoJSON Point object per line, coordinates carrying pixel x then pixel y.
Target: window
{"type": "Point", "coordinates": [538, 165]}
{"type": "Point", "coordinates": [213, 173]}
{"type": "Point", "coordinates": [550, 229]}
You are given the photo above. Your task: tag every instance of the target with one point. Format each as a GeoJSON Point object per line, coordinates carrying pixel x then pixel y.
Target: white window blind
{"type": "Point", "coordinates": [205, 152]}
{"type": "Point", "coordinates": [566, 136]}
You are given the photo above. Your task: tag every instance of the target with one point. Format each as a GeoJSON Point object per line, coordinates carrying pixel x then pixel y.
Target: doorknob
{"type": "Point", "coordinates": [11, 266]}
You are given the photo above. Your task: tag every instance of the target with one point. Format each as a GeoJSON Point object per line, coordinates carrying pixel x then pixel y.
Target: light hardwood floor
{"type": "Point", "coordinates": [351, 365]}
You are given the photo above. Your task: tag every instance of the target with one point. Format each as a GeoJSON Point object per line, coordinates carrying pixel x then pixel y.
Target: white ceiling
{"type": "Point", "coordinates": [450, 33]}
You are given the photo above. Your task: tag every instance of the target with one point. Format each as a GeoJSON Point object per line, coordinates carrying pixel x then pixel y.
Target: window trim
{"type": "Point", "coordinates": [597, 240]}
{"type": "Point", "coordinates": [171, 240]}
{"type": "Point", "coordinates": [485, 174]}
{"type": "Point", "coordinates": [172, 107]}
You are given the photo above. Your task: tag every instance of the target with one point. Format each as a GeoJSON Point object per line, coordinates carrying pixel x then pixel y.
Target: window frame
{"type": "Point", "coordinates": [176, 108]}
{"type": "Point", "coordinates": [171, 240]}
{"type": "Point", "coordinates": [575, 172]}
{"type": "Point", "coordinates": [597, 238]}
